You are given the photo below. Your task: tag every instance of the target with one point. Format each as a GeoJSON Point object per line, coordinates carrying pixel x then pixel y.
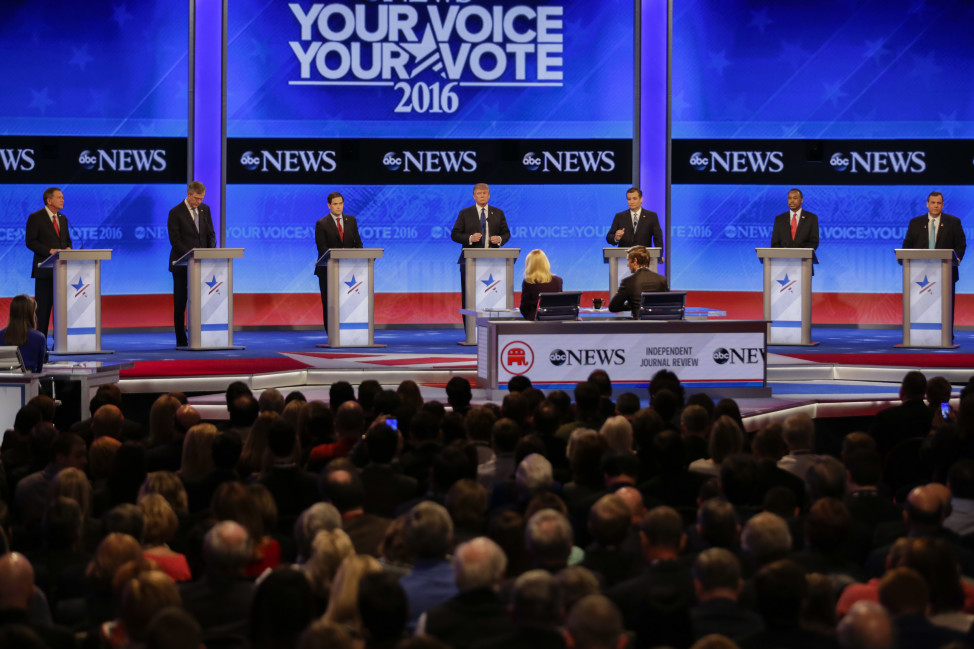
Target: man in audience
{"type": "Point", "coordinates": [548, 539]}
{"type": "Point", "coordinates": [243, 412]}
{"type": "Point", "coordinates": [537, 611]}
{"type": "Point", "coordinates": [867, 626]}
{"type": "Point", "coordinates": [17, 593]}
{"type": "Point", "coordinates": [293, 488]}
{"type": "Point", "coordinates": [343, 488]}
{"type": "Point", "coordinates": [609, 523]}
{"type": "Point", "coordinates": [271, 400]}
{"type": "Point", "coordinates": [459, 394]}
{"type": "Point", "coordinates": [33, 491]}
{"type": "Point", "coordinates": [385, 487]}
{"type": "Point", "coordinates": [594, 622]}
{"type": "Point", "coordinates": [780, 589]}
{"type": "Point", "coordinates": [909, 419]}
{"type": "Point", "coordinates": [960, 479]}
{"type": "Point", "coordinates": [799, 434]}
{"type": "Point", "coordinates": [717, 581]}
{"type": "Point", "coordinates": [695, 427]}
{"type": "Point", "coordinates": [868, 505]}
{"type": "Point", "coordinates": [107, 422]}
{"type": "Point", "coordinates": [587, 414]}
{"type": "Point", "coordinates": [764, 539]}
{"type": "Point", "coordinates": [428, 535]}
{"type": "Point", "coordinates": [905, 595]}
{"type": "Point", "coordinates": [169, 457]}
{"type": "Point", "coordinates": [349, 424]}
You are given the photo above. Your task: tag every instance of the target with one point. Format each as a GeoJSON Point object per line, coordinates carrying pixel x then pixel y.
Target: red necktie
{"type": "Point", "coordinates": [57, 229]}
{"type": "Point", "coordinates": [341, 233]}
{"type": "Point", "coordinates": [794, 224]}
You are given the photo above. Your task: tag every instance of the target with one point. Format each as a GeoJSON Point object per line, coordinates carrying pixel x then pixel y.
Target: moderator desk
{"type": "Point", "coordinates": [84, 378]}
{"type": "Point", "coordinates": [726, 358]}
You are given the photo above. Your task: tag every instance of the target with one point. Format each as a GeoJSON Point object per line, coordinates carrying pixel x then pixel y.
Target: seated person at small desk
{"type": "Point", "coordinates": [21, 332]}
{"type": "Point", "coordinates": [642, 280]}
{"type": "Point", "coordinates": [537, 280]}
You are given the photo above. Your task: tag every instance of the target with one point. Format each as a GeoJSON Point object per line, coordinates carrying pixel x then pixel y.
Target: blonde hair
{"type": "Point", "coordinates": [169, 486]}
{"type": "Point", "coordinates": [343, 602]}
{"type": "Point", "coordinates": [328, 550]}
{"type": "Point", "coordinates": [162, 419]}
{"type": "Point", "coordinates": [113, 552]}
{"type": "Point", "coordinates": [160, 520]}
{"type": "Point", "coordinates": [73, 483]}
{"type": "Point", "coordinates": [617, 432]}
{"type": "Point", "coordinates": [198, 451]}
{"type": "Point", "coordinates": [537, 269]}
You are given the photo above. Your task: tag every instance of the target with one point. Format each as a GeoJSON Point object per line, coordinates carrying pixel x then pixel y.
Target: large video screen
{"type": "Point", "coordinates": [850, 104]}
{"type": "Point", "coordinates": [94, 101]}
{"type": "Point", "coordinates": [402, 107]}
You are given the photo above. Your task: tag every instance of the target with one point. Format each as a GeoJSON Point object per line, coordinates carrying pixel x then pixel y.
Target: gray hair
{"type": "Point", "coordinates": [534, 474]}
{"type": "Point", "coordinates": [478, 563]}
{"type": "Point", "coordinates": [227, 549]}
{"type": "Point", "coordinates": [548, 536]}
{"type": "Point", "coordinates": [766, 538]}
{"type": "Point", "coordinates": [428, 530]}
{"type": "Point", "coordinates": [536, 599]}
{"type": "Point", "coordinates": [867, 625]}
{"type": "Point", "coordinates": [717, 568]}
{"type": "Point", "coordinates": [318, 517]}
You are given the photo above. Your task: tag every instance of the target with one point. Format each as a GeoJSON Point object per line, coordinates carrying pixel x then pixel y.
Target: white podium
{"type": "Point", "coordinates": [489, 284]}
{"type": "Point", "coordinates": [788, 294]}
{"type": "Point", "coordinates": [77, 300]}
{"type": "Point", "coordinates": [928, 284]}
{"type": "Point", "coordinates": [351, 296]}
{"type": "Point", "coordinates": [619, 270]}
{"type": "Point", "coordinates": [209, 290]}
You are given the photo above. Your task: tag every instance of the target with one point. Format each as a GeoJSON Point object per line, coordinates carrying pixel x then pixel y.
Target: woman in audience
{"type": "Point", "coordinates": [617, 432]}
{"type": "Point", "coordinates": [169, 486]}
{"type": "Point", "coordinates": [197, 464]}
{"type": "Point", "coordinates": [393, 555]}
{"type": "Point", "coordinates": [161, 525]}
{"type": "Point", "coordinates": [73, 483]}
{"type": "Point", "coordinates": [343, 600]}
{"type": "Point", "coordinates": [537, 280]}
{"type": "Point", "coordinates": [328, 550]}
{"type": "Point", "coordinates": [21, 331]}
{"type": "Point", "coordinates": [162, 420]}
{"type": "Point", "coordinates": [410, 395]}
{"type": "Point", "coordinates": [252, 456]}
{"type": "Point", "coordinates": [726, 439]}
{"type": "Point", "coordinates": [234, 502]}
{"type": "Point", "coordinates": [113, 552]}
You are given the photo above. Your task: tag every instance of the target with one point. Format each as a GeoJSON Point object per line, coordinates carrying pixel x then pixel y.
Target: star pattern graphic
{"type": "Point", "coordinates": [40, 100]}
{"type": "Point", "coordinates": [79, 285]}
{"type": "Point", "coordinates": [489, 280]}
{"type": "Point", "coordinates": [80, 56]}
{"type": "Point", "coordinates": [351, 283]}
{"type": "Point", "coordinates": [121, 15]}
{"type": "Point", "coordinates": [760, 20]}
{"type": "Point", "coordinates": [948, 123]}
{"type": "Point", "coordinates": [784, 281]}
{"type": "Point", "coordinates": [212, 283]}
{"type": "Point", "coordinates": [833, 92]}
{"type": "Point", "coordinates": [718, 61]}
{"type": "Point", "coordinates": [924, 283]}
{"type": "Point", "coordinates": [875, 50]}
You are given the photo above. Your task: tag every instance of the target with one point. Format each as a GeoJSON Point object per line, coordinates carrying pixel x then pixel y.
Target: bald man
{"type": "Point", "coordinates": [16, 593]}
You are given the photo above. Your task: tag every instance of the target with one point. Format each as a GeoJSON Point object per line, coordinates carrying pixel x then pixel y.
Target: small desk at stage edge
{"type": "Point", "coordinates": [725, 358]}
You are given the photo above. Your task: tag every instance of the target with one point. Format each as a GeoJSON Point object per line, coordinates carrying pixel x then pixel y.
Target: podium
{"type": "Point", "coordinates": [619, 270]}
{"type": "Point", "coordinates": [351, 296]}
{"type": "Point", "coordinates": [209, 290]}
{"type": "Point", "coordinates": [928, 309]}
{"type": "Point", "coordinates": [788, 294]}
{"type": "Point", "coordinates": [77, 300]}
{"type": "Point", "coordinates": [489, 284]}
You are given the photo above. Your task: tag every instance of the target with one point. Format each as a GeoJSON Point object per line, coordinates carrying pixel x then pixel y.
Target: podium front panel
{"type": "Point", "coordinates": [353, 302]}
{"type": "Point", "coordinates": [786, 301]}
{"type": "Point", "coordinates": [80, 305]}
{"type": "Point", "coordinates": [491, 284]}
{"type": "Point", "coordinates": [926, 304]}
{"type": "Point", "coordinates": [214, 291]}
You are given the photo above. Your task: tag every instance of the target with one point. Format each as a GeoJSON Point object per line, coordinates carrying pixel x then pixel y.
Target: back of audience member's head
{"type": "Point", "coordinates": [536, 600]}
{"type": "Point", "coordinates": [857, 441]}
{"type": "Point", "coordinates": [115, 550]}
{"type": "Point", "coordinates": [703, 400]}
{"type": "Point", "coordinates": [504, 435]}
{"type": "Point", "coordinates": [73, 483]}
{"type": "Point", "coordinates": [107, 421]}
{"type": "Point", "coordinates": [726, 439]}
{"type": "Point", "coordinates": [101, 457]}
{"type": "Point", "coordinates": [477, 564]}
{"type": "Point", "coordinates": [198, 451]}
{"type": "Point", "coordinates": [960, 479]}
{"type": "Point", "coordinates": [621, 467]}
{"type": "Point", "coordinates": [717, 523]}
{"type": "Point", "coordinates": [173, 627]}
{"type": "Point", "coordinates": [294, 395]}
{"type": "Point", "coordinates": [729, 407]}
{"type": "Point", "coordinates": [186, 417]}
{"type": "Point", "coordinates": [266, 505]}
{"type": "Point", "coordinates": [618, 434]}
{"type": "Point", "coordinates": [609, 520]}
{"type": "Point", "coordinates": [739, 479]}
{"type": "Point", "coordinates": [46, 405]}
{"type": "Point", "coordinates": [715, 570]}
{"type": "Point", "coordinates": [126, 518]}
{"type": "Point", "coordinates": [26, 418]}
{"type": "Point", "coordinates": [936, 561]}
{"type": "Point", "coordinates": [161, 522]}
{"type": "Point", "coordinates": [828, 526]}
{"type": "Point", "coordinates": [646, 424]}
{"type": "Point", "coordinates": [765, 539]}
{"type": "Point", "coordinates": [325, 635]}
{"type": "Point", "coordinates": [563, 402]}
{"type": "Point", "coordinates": [576, 583]}
{"type": "Point", "coordinates": [903, 591]}
{"type": "Point", "coordinates": [825, 478]}
{"type": "Point", "coordinates": [271, 400]}
{"type": "Point", "coordinates": [666, 403]}
{"type": "Point", "coordinates": [913, 386]}
{"type": "Point", "coordinates": [232, 501]}
{"type": "Point", "coordinates": [662, 529]}
{"type": "Point", "coordinates": [534, 475]}
{"type": "Point", "coordinates": [234, 390]}
{"type": "Point", "coordinates": [244, 411]}
{"type": "Point", "coordinates": [329, 549]}
{"type": "Point", "coordinates": [938, 391]}
{"type": "Point", "coordinates": [799, 432]}
{"type": "Point", "coordinates": [668, 452]}
{"type": "Point", "coordinates": [382, 443]}
{"type": "Point", "coordinates": [594, 623]}
{"type": "Point", "coordinates": [226, 451]}
{"type": "Point", "coordinates": [628, 404]}
{"type": "Point", "coordinates": [458, 392]}
{"type": "Point", "coordinates": [343, 488]}
{"type": "Point", "coordinates": [769, 444]}
{"type": "Point", "coordinates": [602, 381]}
{"type": "Point", "coordinates": [548, 539]}
{"type": "Point", "coordinates": [320, 516]}
{"type": "Point", "coordinates": [392, 547]}
{"type": "Point", "coordinates": [695, 420]}
{"type": "Point", "coordinates": [515, 407]}
{"type": "Point", "coordinates": [128, 472]}
{"type": "Point", "coordinates": [339, 392]}
{"type": "Point", "coordinates": [506, 529]}
{"type": "Point", "coordinates": [867, 625]}
{"type": "Point", "coordinates": [518, 384]}
{"type": "Point", "coordinates": [865, 468]}
{"type": "Point", "coordinates": [61, 524]}
{"type": "Point", "coordinates": [924, 508]}
{"type": "Point", "coordinates": [143, 596]}
{"type": "Point", "coordinates": [466, 502]}
{"type": "Point", "coordinates": [781, 501]}
{"type": "Point", "coordinates": [227, 549]}
{"type": "Point", "coordinates": [666, 380]}
{"type": "Point", "coordinates": [479, 422]}
{"type": "Point", "coordinates": [428, 531]}
{"type": "Point", "coordinates": [281, 609]}
{"type": "Point", "coordinates": [585, 450]}
{"type": "Point", "coordinates": [527, 445]}
{"type": "Point", "coordinates": [169, 486]}
{"type": "Point", "coordinates": [386, 402]}
{"type": "Point", "coordinates": [343, 598]}
{"type": "Point", "coordinates": [587, 398]}
{"type": "Point", "coordinates": [382, 606]}
{"type": "Point", "coordinates": [780, 588]}
{"type": "Point", "coordinates": [282, 439]}
{"type": "Point", "coordinates": [349, 419]}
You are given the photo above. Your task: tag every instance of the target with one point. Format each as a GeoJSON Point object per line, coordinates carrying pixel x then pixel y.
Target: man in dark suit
{"type": "Point", "coordinates": [635, 226]}
{"type": "Point", "coordinates": [796, 228]}
{"type": "Point", "coordinates": [337, 230]}
{"type": "Point", "coordinates": [935, 229]}
{"type": "Point", "coordinates": [47, 232]}
{"type": "Point", "coordinates": [911, 418]}
{"type": "Point", "coordinates": [190, 226]}
{"type": "Point", "coordinates": [642, 280]}
{"type": "Point", "coordinates": [478, 226]}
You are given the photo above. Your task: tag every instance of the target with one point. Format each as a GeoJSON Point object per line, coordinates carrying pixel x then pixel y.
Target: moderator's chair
{"type": "Point", "coordinates": [559, 306]}
{"type": "Point", "coordinates": [668, 305]}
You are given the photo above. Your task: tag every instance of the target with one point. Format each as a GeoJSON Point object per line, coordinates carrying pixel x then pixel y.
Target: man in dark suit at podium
{"type": "Point", "coordinates": [337, 230]}
{"type": "Point", "coordinates": [636, 226]}
{"type": "Point", "coordinates": [796, 228]}
{"type": "Point", "coordinates": [642, 280]}
{"type": "Point", "coordinates": [47, 232]}
{"type": "Point", "coordinates": [479, 226]}
{"type": "Point", "coordinates": [190, 226]}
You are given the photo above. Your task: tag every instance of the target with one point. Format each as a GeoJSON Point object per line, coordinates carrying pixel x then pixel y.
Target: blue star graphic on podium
{"type": "Point", "coordinates": [77, 287]}
{"type": "Point", "coordinates": [212, 283]}
{"type": "Point", "coordinates": [352, 283]}
{"type": "Point", "coordinates": [489, 280]}
{"type": "Point", "coordinates": [783, 281]}
{"type": "Point", "coordinates": [924, 283]}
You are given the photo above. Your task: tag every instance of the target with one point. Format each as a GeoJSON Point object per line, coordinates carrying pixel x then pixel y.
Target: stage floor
{"type": "Point", "coordinates": [851, 372]}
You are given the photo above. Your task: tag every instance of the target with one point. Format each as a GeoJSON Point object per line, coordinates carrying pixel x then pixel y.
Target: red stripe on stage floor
{"type": "Point", "coordinates": [943, 359]}
{"type": "Point", "coordinates": [211, 367]}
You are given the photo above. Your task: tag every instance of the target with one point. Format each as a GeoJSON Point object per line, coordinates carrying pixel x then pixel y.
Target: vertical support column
{"type": "Point", "coordinates": [653, 109]}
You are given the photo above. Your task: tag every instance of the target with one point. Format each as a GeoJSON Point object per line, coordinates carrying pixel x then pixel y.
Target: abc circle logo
{"type": "Point", "coordinates": [721, 356]}
{"type": "Point", "coordinates": [558, 357]}
{"type": "Point", "coordinates": [838, 162]}
{"type": "Point", "coordinates": [249, 160]}
{"type": "Point", "coordinates": [530, 162]}
{"type": "Point", "coordinates": [698, 161]}
{"type": "Point", "coordinates": [87, 160]}
{"type": "Point", "coordinates": [517, 358]}
{"type": "Point", "coordinates": [391, 161]}
{"type": "Point", "coordinates": [139, 232]}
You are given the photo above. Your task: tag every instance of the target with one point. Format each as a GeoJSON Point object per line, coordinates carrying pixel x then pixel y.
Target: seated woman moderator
{"type": "Point", "coordinates": [537, 280]}
{"type": "Point", "coordinates": [21, 332]}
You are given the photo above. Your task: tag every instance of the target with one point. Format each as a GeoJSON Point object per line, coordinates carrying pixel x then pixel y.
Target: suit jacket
{"type": "Point", "coordinates": [648, 233]}
{"type": "Point", "coordinates": [895, 424]}
{"type": "Point", "coordinates": [950, 235]}
{"type": "Point", "coordinates": [386, 489]}
{"type": "Point", "coordinates": [183, 235]}
{"type": "Point", "coordinates": [326, 236]}
{"type": "Point", "coordinates": [806, 235]}
{"type": "Point", "coordinates": [631, 288]}
{"type": "Point", "coordinates": [470, 617]}
{"type": "Point", "coordinates": [656, 605]}
{"type": "Point", "coordinates": [468, 224]}
{"type": "Point", "coordinates": [530, 293]}
{"type": "Point", "coordinates": [41, 239]}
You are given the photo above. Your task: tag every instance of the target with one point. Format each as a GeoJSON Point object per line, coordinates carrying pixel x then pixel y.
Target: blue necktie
{"type": "Point", "coordinates": [933, 233]}
{"type": "Point", "coordinates": [483, 224]}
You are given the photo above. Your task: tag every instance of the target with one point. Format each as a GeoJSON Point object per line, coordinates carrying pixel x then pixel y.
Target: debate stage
{"type": "Point", "coordinates": [851, 373]}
